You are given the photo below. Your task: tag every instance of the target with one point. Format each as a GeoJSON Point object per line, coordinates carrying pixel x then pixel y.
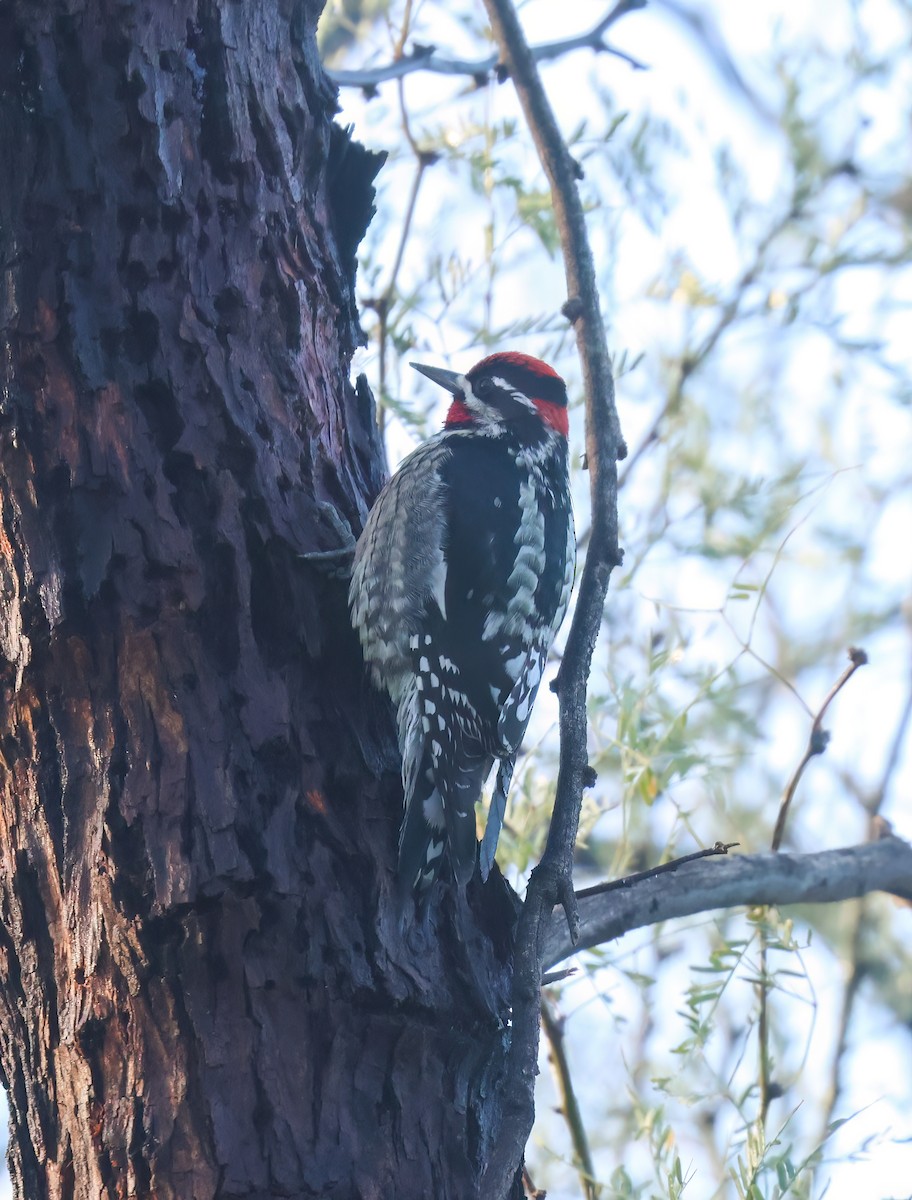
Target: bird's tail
{"type": "Point", "coordinates": [496, 815]}
{"type": "Point", "coordinates": [439, 820]}
{"type": "Point", "coordinates": [423, 836]}
{"type": "Point", "coordinates": [466, 779]}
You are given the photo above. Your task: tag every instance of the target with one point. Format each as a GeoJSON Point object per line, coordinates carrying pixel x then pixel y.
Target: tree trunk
{"type": "Point", "coordinates": [204, 990]}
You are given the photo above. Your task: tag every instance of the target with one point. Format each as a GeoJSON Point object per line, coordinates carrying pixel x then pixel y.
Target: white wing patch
{"type": "Point", "coordinates": [529, 539]}
{"type": "Point", "coordinates": [569, 575]}
{"type": "Point", "coordinates": [433, 811]}
{"type": "Point", "coordinates": [517, 707]}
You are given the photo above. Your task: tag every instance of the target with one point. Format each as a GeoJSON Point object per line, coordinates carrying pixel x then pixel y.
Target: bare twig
{"type": "Point", "coordinates": [764, 1057]}
{"type": "Point", "coordinates": [383, 303]}
{"type": "Point", "coordinates": [532, 1192]}
{"type": "Point", "coordinates": [551, 881]}
{"type": "Point", "coordinates": [707, 34]}
{"type": "Point", "coordinates": [628, 880]}
{"type": "Point", "coordinates": [553, 1026]}
{"type": "Point", "coordinates": [849, 994]}
{"type": "Point", "coordinates": [692, 360]}
{"type": "Point", "coordinates": [817, 742]}
{"type": "Point", "coordinates": [426, 58]}
{"type": "Point", "coordinates": [873, 804]}
{"type": "Point", "coordinates": [727, 882]}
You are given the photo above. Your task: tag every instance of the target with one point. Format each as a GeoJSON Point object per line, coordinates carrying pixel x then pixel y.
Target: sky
{"type": "Point", "coordinates": [868, 436]}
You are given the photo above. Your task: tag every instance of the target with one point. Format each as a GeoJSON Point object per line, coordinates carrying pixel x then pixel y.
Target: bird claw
{"type": "Point", "coordinates": [337, 563]}
{"type": "Point", "coordinates": [559, 891]}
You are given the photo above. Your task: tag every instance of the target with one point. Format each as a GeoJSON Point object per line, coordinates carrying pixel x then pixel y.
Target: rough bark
{"type": "Point", "coordinates": [203, 991]}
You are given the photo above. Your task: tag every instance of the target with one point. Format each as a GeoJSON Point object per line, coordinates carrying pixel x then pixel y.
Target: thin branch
{"type": "Point", "coordinates": [849, 995]}
{"type": "Point", "coordinates": [426, 58]}
{"type": "Point", "coordinates": [383, 304]}
{"type": "Point", "coordinates": [764, 1058]}
{"type": "Point", "coordinates": [817, 741]}
{"type": "Point", "coordinates": [691, 361]}
{"type": "Point", "coordinates": [817, 744]}
{"type": "Point", "coordinates": [707, 34]}
{"type": "Point", "coordinates": [875, 802]}
{"type": "Point", "coordinates": [404, 30]}
{"type": "Point", "coordinates": [821, 878]}
{"type": "Point", "coordinates": [551, 881]}
{"type": "Point", "coordinates": [532, 1192]}
{"type": "Point", "coordinates": [873, 805]}
{"type": "Point", "coordinates": [628, 880]}
{"type": "Point", "coordinates": [554, 1031]}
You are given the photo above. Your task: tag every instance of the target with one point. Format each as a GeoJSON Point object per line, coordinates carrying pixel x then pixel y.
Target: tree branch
{"type": "Point", "coordinates": [553, 1025]}
{"type": "Point", "coordinates": [817, 741]}
{"type": "Point", "coordinates": [858, 918]}
{"type": "Point", "coordinates": [426, 58]}
{"type": "Point", "coordinates": [713, 883]}
{"type": "Point", "coordinates": [551, 881]}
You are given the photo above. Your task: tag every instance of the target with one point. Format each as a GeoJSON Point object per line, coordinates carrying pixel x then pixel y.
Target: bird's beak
{"type": "Point", "coordinates": [451, 380]}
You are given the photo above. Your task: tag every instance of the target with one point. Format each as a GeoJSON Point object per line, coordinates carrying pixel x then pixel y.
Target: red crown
{"type": "Point", "coordinates": [516, 359]}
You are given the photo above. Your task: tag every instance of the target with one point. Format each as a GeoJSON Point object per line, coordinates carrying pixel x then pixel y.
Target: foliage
{"type": "Point", "coordinates": [748, 205]}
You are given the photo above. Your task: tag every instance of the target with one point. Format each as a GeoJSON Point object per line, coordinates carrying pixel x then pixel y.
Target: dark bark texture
{"type": "Point", "coordinates": [204, 990]}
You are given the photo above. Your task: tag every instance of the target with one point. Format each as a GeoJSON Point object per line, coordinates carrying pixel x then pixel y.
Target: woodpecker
{"type": "Point", "coordinates": [461, 578]}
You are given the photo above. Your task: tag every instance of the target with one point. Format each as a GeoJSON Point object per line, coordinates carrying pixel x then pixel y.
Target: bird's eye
{"type": "Point", "coordinates": [484, 387]}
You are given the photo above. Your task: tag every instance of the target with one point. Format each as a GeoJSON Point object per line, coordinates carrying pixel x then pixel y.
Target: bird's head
{"type": "Point", "coordinates": [504, 389]}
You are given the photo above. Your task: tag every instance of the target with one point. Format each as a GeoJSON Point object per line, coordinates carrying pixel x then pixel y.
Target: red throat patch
{"type": "Point", "coordinates": [458, 414]}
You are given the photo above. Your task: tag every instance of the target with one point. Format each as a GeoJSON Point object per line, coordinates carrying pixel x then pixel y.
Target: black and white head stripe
{"type": "Point", "coordinates": [522, 373]}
